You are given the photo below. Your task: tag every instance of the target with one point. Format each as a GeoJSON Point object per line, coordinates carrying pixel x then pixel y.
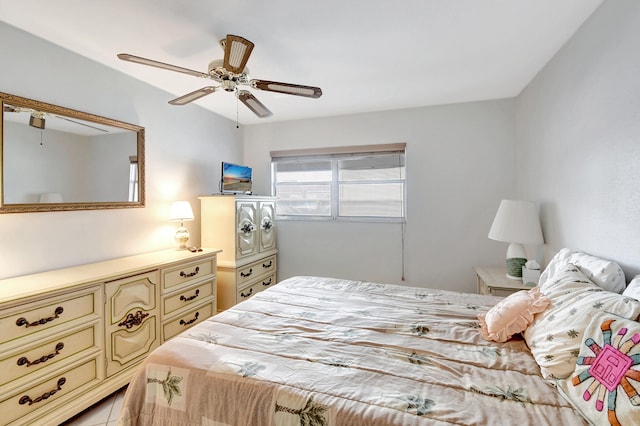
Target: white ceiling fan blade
{"type": "Point", "coordinates": [236, 53]}
{"type": "Point", "coordinates": [253, 104]}
{"type": "Point", "coordinates": [288, 88]}
{"type": "Point", "coordinates": [196, 94]}
{"type": "Point", "coordinates": [162, 65]}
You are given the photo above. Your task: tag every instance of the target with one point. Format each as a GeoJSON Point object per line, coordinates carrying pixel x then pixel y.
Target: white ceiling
{"type": "Point", "coordinates": [366, 55]}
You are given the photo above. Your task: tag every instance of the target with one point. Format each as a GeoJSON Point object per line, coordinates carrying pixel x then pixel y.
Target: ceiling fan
{"type": "Point", "coordinates": [232, 73]}
{"type": "Point", "coordinates": [37, 118]}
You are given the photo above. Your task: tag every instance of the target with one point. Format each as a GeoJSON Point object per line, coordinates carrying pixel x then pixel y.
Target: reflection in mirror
{"type": "Point", "coordinates": [55, 158]}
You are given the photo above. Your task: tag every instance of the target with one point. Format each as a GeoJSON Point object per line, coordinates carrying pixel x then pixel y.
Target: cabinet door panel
{"type": "Point", "coordinates": [129, 346]}
{"type": "Point", "coordinates": [132, 321]}
{"type": "Point", "coordinates": [247, 243]}
{"type": "Point", "coordinates": [267, 226]}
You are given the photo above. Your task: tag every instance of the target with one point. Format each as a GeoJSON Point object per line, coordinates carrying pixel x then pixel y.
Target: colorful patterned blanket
{"type": "Point", "coordinates": [321, 351]}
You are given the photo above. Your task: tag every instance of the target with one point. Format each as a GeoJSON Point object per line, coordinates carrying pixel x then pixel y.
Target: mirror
{"type": "Point", "coordinates": [54, 158]}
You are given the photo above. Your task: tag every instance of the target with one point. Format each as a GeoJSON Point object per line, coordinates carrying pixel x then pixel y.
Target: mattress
{"type": "Point", "coordinates": [324, 351]}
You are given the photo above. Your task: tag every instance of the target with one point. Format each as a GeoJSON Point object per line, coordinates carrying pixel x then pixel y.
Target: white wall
{"type": "Point", "coordinates": [460, 163]}
{"type": "Point", "coordinates": [184, 148]}
{"type": "Point", "coordinates": [578, 127]}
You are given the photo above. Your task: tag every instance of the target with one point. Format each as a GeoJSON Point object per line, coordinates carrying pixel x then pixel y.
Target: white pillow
{"type": "Point", "coordinates": [633, 289]}
{"type": "Point", "coordinates": [556, 334]}
{"type": "Point", "coordinates": [605, 273]}
{"type": "Point", "coordinates": [558, 261]}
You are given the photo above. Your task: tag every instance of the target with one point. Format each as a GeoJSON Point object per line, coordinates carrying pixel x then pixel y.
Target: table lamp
{"type": "Point", "coordinates": [181, 211]}
{"type": "Point", "coordinates": [517, 223]}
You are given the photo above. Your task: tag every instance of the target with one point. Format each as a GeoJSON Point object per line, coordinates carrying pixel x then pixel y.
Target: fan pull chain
{"type": "Point", "coordinates": [237, 104]}
{"type": "Point", "coordinates": [41, 132]}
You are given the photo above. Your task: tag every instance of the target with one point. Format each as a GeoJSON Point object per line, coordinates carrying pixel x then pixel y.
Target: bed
{"type": "Point", "coordinates": [323, 351]}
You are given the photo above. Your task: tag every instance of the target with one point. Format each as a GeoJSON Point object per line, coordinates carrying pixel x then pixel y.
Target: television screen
{"type": "Point", "coordinates": [235, 179]}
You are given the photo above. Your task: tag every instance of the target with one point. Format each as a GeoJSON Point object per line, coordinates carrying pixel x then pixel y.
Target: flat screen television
{"type": "Point", "coordinates": [235, 179]}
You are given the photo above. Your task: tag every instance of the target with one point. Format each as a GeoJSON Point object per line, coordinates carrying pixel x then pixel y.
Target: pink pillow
{"type": "Point", "coordinates": [512, 315]}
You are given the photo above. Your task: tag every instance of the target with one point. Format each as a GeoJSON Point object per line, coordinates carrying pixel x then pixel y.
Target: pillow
{"type": "Point", "coordinates": [633, 289]}
{"type": "Point", "coordinates": [512, 315]}
{"type": "Point", "coordinates": [555, 335]}
{"type": "Point", "coordinates": [605, 383]}
{"type": "Point", "coordinates": [605, 273]}
{"type": "Point", "coordinates": [557, 262]}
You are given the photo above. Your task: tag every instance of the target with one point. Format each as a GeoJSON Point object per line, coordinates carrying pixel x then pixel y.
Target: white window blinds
{"type": "Point", "coordinates": [362, 182]}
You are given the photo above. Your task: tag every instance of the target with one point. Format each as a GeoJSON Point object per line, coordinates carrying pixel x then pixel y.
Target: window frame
{"type": "Point", "coordinates": [334, 155]}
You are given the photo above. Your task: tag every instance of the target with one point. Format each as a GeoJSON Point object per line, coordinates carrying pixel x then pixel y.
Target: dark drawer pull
{"type": "Point", "coordinates": [248, 294]}
{"type": "Point", "coordinates": [243, 275]}
{"type": "Point", "coordinates": [23, 321]}
{"type": "Point", "coordinates": [134, 319]}
{"type": "Point", "coordinates": [267, 283]}
{"type": "Point", "coordinates": [269, 265]}
{"type": "Point", "coordinates": [26, 399]}
{"type": "Point", "coordinates": [191, 321]}
{"type": "Point", "coordinates": [23, 360]}
{"type": "Point", "coordinates": [186, 299]}
{"type": "Point", "coordinates": [190, 274]}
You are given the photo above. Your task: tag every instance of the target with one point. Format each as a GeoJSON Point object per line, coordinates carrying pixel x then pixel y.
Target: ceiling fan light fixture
{"type": "Point", "coordinates": [37, 121]}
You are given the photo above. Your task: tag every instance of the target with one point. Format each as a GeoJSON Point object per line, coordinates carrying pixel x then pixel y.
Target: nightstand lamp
{"type": "Point", "coordinates": [517, 223]}
{"type": "Point", "coordinates": [181, 211]}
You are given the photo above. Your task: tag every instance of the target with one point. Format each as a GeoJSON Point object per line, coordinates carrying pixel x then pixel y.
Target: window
{"type": "Point", "coordinates": [356, 183]}
{"type": "Point", "coordinates": [133, 178]}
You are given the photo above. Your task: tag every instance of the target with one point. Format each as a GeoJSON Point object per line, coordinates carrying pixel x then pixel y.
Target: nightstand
{"type": "Point", "coordinates": [493, 280]}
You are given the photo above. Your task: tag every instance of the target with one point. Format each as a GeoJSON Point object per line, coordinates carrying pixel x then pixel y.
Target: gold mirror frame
{"type": "Point", "coordinates": [75, 115]}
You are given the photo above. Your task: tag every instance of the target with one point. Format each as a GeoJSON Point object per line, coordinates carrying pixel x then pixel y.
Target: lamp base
{"type": "Point", "coordinates": [516, 258]}
{"type": "Point", "coordinates": [182, 236]}
{"type": "Point", "coordinates": [514, 268]}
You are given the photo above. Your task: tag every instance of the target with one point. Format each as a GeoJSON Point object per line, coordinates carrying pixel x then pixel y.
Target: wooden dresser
{"type": "Point", "coordinates": [243, 226]}
{"type": "Point", "coordinates": [70, 337]}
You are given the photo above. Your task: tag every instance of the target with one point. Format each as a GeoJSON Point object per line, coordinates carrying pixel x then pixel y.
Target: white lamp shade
{"type": "Point", "coordinates": [516, 222]}
{"type": "Point", "coordinates": [181, 211]}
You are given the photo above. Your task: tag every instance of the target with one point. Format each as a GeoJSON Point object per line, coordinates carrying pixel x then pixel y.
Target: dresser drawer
{"type": "Point", "coordinates": [188, 320]}
{"type": "Point", "coordinates": [187, 271]}
{"type": "Point", "coordinates": [62, 385]}
{"type": "Point", "coordinates": [45, 314]}
{"type": "Point", "coordinates": [256, 287]}
{"type": "Point", "coordinates": [188, 297]}
{"type": "Point", "coordinates": [254, 270]}
{"type": "Point", "coordinates": [47, 354]}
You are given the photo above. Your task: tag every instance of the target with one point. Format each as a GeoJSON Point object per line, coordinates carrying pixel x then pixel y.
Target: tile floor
{"type": "Point", "coordinates": [104, 413]}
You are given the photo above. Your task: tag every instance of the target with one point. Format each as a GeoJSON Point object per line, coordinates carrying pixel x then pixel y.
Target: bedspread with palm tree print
{"type": "Point", "coordinates": [321, 351]}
